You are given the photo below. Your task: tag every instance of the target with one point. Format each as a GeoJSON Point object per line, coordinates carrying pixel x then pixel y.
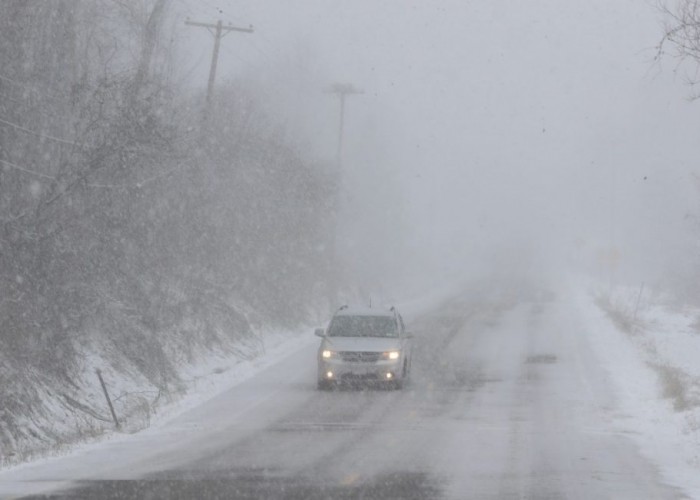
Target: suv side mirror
{"type": "Point", "coordinates": [320, 332]}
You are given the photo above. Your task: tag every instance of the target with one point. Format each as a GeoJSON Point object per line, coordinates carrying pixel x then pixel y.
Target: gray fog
{"type": "Point", "coordinates": [334, 249]}
{"type": "Point", "coordinates": [539, 135]}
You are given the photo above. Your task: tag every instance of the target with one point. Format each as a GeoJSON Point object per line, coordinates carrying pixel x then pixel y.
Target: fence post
{"type": "Point", "coordinates": [109, 401]}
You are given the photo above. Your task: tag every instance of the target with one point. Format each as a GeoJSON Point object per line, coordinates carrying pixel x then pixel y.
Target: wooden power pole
{"type": "Point", "coordinates": [219, 31]}
{"type": "Point", "coordinates": [342, 90]}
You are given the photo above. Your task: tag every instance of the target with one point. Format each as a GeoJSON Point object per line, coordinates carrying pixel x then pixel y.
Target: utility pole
{"type": "Point", "coordinates": [342, 90]}
{"type": "Point", "coordinates": [219, 31]}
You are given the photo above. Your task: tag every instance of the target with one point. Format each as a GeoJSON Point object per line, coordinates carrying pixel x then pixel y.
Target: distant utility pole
{"type": "Point", "coordinates": [219, 31]}
{"type": "Point", "coordinates": [342, 90]}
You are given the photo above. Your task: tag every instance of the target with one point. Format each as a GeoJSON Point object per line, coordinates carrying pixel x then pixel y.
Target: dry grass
{"type": "Point", "coordinates": [678, 386]}
{"type": "Point", "coordinates": [621, 317]}
{"type": "Point", "coordinates": [695, 325]}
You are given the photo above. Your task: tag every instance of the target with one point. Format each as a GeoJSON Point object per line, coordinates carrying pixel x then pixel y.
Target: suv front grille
{"type": "Point", "coordinates": [360, 357]}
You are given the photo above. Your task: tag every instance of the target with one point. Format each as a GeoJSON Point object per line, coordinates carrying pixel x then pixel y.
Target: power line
{"type": "Point", "coordinates": [139, 184]}
{"type": "Point", "coordinates": [259, 50]}
{"type": "Point", "coordinates": [39, 134]}
{"type": "Point", "coordinates": [5, 97]}
{"type": "Point", "coordinates": [10, 80]}
{"type": "Point", "coordinates": [26, 170]}
{"type": "Point", "coordinates": [44, 92]}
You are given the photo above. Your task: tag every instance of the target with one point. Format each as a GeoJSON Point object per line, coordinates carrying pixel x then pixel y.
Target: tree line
{"type": "Point", "coordinates": [124, 213]}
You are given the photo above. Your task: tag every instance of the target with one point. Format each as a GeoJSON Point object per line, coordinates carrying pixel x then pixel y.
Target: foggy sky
{"type": "Point", "coordinates": [492, 133]}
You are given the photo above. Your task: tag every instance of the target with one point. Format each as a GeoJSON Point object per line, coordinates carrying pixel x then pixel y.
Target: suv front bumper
{"type": "Point", "coordinates": [343, 371]}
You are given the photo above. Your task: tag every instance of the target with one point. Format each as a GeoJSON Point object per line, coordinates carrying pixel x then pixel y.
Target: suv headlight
{"type": "Point", "coordinates": [391, 355]}
{"type": "Point", "coordinates": [328, 354]}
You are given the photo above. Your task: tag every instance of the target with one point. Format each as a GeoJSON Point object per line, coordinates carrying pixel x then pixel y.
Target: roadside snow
{"type": "Point", "coordinates": [210, 376]}
{"type": "Point", "coordinates": [652, 354]}
{"type": "Point", "coordinates": [216, 375]}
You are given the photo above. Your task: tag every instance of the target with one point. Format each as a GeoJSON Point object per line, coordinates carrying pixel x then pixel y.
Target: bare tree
{"type": "Point", "coordinates": [682, 37]}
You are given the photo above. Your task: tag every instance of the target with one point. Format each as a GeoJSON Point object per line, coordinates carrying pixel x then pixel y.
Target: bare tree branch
{"type": "Point", "coordinates": [682, 37]}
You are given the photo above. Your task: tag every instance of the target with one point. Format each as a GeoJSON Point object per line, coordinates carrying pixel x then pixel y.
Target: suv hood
{"type": "Point", "coordinates": [362, 344]}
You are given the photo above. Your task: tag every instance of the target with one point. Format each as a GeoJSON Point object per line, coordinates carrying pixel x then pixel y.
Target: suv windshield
{"type": "Point", "coordinates": [363, 326]}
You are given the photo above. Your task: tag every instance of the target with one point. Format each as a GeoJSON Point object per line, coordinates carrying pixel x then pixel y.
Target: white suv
{"type": "Point", "coordinates": [364, 345]}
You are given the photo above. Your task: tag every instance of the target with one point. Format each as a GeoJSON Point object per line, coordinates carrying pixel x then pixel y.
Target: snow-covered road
{"type": "Point", "coordinates": [506, 401]}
